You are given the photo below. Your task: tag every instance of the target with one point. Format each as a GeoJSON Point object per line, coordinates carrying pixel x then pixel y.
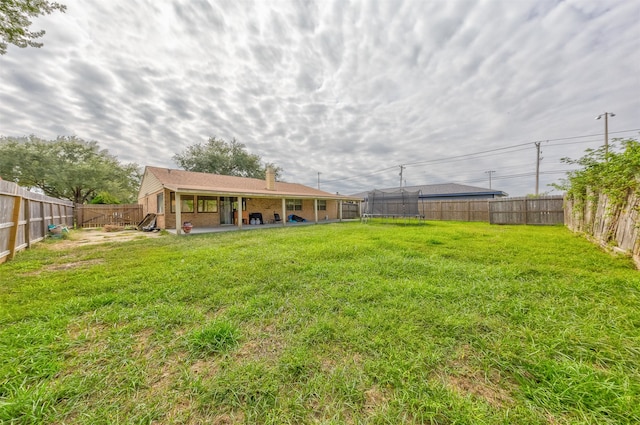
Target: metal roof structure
{"type": "Point", "coordinates": [444, 191]}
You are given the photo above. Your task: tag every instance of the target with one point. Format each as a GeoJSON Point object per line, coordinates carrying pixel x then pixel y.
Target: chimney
{"type": "Point", "coordinates": [271, 179]}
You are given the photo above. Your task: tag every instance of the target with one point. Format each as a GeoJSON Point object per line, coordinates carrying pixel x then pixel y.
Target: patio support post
{"type": "Point", "coordinates": [315, 209]}
{"type": "Point", "coordinates": [239, 212]}
{"type": "Point", "coordinates": [284, 212]}
{"type": "Point", "coordinates": [178, 214]}
{"type": "Point", "coordinates": [340, 210]}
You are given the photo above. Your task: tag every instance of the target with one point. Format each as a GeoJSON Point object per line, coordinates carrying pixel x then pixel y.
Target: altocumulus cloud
{"type": "Point", "coordinates": [341, 88]}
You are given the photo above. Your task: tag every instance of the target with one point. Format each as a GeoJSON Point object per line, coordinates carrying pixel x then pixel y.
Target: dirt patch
{"type": "Point", "coordinates": [73, 265]}
{"type": "Point", "coordinates": [480, 387]}
{"type": "Point", "coordinates": [263, 344]}
{"type": "Point", "coordinates": [375, 399]}
{"type": "Point", "coordinates": [466, 379]}
{"type": "Point", "coordinates": [100, 236]}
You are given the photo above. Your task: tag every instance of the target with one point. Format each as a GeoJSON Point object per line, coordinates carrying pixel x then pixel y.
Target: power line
{"type": "Point", "coordinates": [593, 135]}
{"type": "Point", "coordinates": [471, 156]}
{"type": "Point", "coordinates": [479, 154]}
{"type": "Point", "coordinates": [362, 175]}
{"type": "Point", "coordinates": [519, 175]}
{"type": "Point", "coordinates": [466, 155]}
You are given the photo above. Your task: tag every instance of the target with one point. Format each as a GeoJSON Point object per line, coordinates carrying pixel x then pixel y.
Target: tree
{"type": "Point", "coordinates": [105, 198]}
{"type": "Point", "coordinates": [15, 19]}
{"type": "Point", "coordinates": [67, 168]}
{"type": "Point", "coordinates": [220, 157]}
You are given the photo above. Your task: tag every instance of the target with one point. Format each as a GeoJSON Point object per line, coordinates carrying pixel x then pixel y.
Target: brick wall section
{"type": "Point", "coordinates": [265, 206]}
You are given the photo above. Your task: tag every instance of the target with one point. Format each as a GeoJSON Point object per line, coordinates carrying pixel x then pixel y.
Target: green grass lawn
{"type": "Point", "coordinates": [442, 323]}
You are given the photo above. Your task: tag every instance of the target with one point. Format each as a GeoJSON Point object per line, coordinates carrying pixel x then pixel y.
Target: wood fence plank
{"type": "Point", "coordinates": [89, 216]}
{"type": "Point", "coordinates": [23, 220]}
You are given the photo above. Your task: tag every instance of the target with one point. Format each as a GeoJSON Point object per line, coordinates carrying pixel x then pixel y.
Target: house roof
{"type": "Point", "coordinates": [442, 190]}
{"type": "Point", "coordinates": [195, 182]}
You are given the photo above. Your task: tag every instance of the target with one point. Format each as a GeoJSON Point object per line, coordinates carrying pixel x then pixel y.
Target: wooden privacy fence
{"type": "Point", "coordinates": [25, 217]}
{"type": "Point", "coordinates": [543, 210]}
{"type": "Point", "coordinates": [101, 215]}
{"type": "Point", "coordinates": [458, 210]}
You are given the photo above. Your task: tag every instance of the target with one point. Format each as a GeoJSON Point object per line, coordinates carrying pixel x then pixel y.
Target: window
{"type": "Point", "coordinates": [322, 205]}
{"type": "Point", "coordinates": [186, 203]}
{"type": "Point", "coordinates": [294, 204]}
{"type": "Point", "coordinates": [207, 204]}
{"type": "Point", "coordinates": [160, 203]}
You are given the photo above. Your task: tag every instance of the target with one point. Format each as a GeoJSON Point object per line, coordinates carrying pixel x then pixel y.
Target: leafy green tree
{"type": "Point", "coordinates": [220, 157]}
{"type": "Point", "coordinates": [15, 19]}
{"type": "Point", "coordinates": [105, 198]}
{"type": "Point", "coordinates": [67, 168]}
{"type": "Point", "coordinates": [614, 174]}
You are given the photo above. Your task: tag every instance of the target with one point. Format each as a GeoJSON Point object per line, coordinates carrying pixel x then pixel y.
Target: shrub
{"type": "Point", "coordinates": [614, 174]}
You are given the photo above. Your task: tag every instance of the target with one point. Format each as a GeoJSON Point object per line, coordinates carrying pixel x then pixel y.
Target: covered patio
{"type": "Point", "coordinates": [180, 199]}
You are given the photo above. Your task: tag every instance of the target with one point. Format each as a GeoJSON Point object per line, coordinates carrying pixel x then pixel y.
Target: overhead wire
{"type": "Point", "coordinates": [482, 154]}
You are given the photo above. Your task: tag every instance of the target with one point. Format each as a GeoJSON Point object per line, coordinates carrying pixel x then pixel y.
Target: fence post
{"type": "Point", "coordinates": [27, 228]}
{"type": "Point", "coordinates": [44, 222]}
{"type": "Point", "coordinates": [13, 233]}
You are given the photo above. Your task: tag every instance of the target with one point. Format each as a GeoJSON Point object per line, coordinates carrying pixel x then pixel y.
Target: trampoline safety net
{"type": "Point", "coordinates": [397, 203]}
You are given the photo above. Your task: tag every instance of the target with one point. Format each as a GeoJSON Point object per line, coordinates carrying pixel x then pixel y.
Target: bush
{"type": "Point", "coordinates": [615, 174]}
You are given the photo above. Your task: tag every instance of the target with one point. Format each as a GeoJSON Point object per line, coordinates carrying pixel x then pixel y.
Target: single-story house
{"type": "Point", "coordinates": [212, 200]}
{"type": "Point", "coordinates": [444, 191]}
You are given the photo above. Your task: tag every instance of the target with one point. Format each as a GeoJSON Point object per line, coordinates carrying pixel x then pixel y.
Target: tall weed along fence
{"type": "Point", "coordinates": [615, 227]}
{"type": "Point", "coordinates": [25, 217]}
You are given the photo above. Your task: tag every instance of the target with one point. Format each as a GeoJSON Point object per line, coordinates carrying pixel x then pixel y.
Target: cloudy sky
{"type": "Point", "coordinates": [349, 89]}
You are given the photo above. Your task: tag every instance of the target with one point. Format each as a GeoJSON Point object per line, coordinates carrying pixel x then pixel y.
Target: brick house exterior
{"type": "Point", "coordinates": [211, 200]}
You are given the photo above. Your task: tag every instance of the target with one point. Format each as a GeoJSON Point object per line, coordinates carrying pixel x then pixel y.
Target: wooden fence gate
{"type": "Point", "coordinates": [98, 215]}
{"type": "Point", "coordinates": [543, 210]}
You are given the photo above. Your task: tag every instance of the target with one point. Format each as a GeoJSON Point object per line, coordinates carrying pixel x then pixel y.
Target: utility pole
{"type": "Point", "coordinates": [490, 172]}
{"type": "Point", "coordinates": [319, 179]}
{"type": "Point", "coordinates": [538, 159]}
{"type": "Point", "coordinates": [606, 116]}
{"type": "Point", "coordinates": [402, 167]}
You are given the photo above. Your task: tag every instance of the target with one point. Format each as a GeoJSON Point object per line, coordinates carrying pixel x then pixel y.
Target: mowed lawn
{"type": "Point", "coordinates": [441, 323]}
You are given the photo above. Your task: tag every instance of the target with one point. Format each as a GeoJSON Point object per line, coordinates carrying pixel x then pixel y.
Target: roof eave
{"type": "Point", "coordinates": [253, 194]}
